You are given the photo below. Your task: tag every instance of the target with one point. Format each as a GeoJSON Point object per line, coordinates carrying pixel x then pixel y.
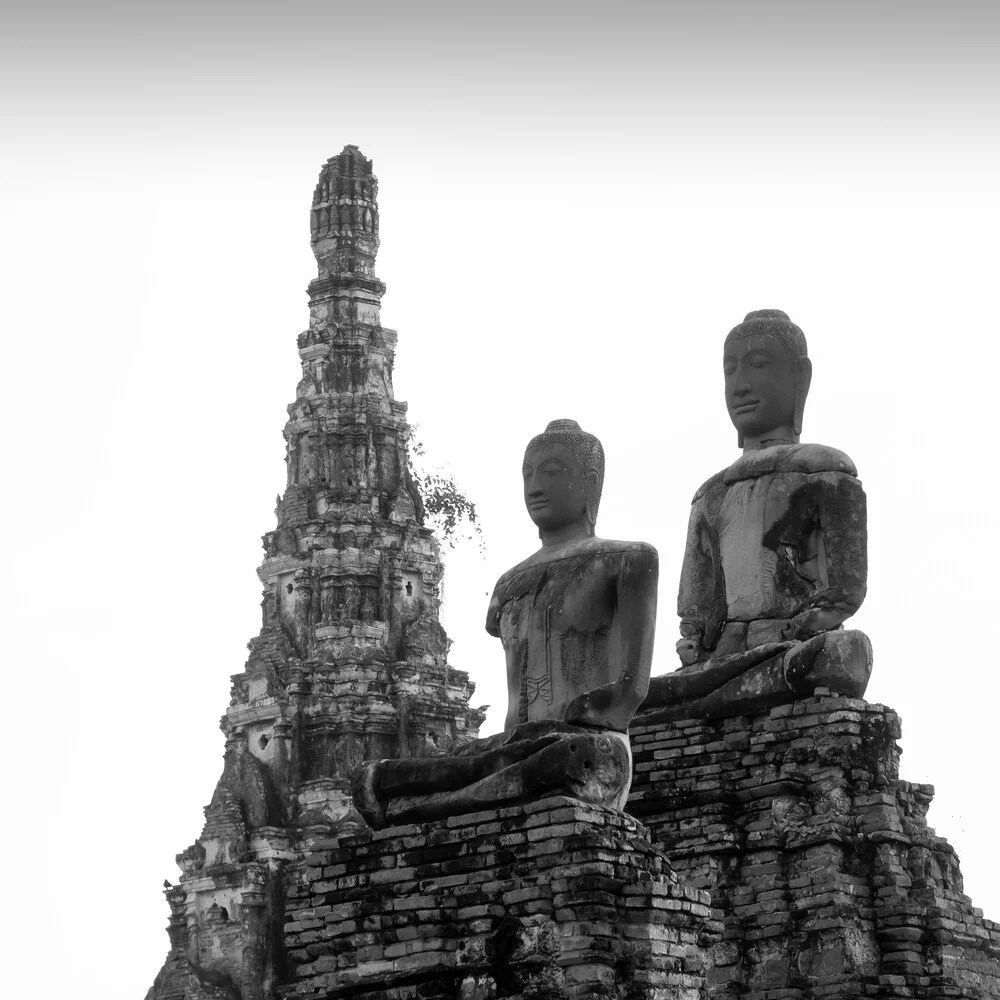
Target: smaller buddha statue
{"type": "Point", "coordinates": [776, 559]}
{"type": "Point", "coordinates": [576, 622]}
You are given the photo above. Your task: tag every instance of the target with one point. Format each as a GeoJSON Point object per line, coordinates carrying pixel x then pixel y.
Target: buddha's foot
{"type": "Point", "coordinates": [364, 791]}
{"type": "Point", "coordinates": [840, 661]}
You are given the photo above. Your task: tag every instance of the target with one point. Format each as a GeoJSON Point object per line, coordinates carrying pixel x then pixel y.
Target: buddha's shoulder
{"type": "Point", "coordinates": [715, 480]}
{"type": "Point", "coordinates": [616, 546]}
{"type": "Point", "coordinates": [821, 458]}
{"type": "Point", "coordinates": [583, 551]}
{"type": "Point", "coordinates": [617, 559]}
{"type": "Point", "coordinates": [801, 458]}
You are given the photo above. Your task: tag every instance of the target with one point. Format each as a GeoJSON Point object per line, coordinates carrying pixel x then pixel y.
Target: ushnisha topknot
{"type": "Point", "coordinates": [586, 448]}
{"type": "Point", "coordinates": [774, 323]}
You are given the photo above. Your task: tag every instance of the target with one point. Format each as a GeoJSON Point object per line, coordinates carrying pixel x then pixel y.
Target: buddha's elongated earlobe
{"type": "Point", "coordinates": [803, 380]}
{"type": "Point", "coordinates": [593, 499]}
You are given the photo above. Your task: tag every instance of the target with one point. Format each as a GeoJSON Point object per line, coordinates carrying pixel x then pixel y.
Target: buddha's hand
{"type": "Point", "coordinates": [688, 650]}
{"type": "Point", "coordinates": [691, 646]}
{"type": "Point", "coordinates": [812, 622]}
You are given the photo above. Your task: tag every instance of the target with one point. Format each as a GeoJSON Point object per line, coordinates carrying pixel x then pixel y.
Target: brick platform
{"type": "Point", "coordinates": [549, 899]}
{"type": "Point", "coordinates": [817, 855]}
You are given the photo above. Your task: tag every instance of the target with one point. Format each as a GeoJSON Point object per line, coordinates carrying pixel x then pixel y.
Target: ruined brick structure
{"type": "Point", "coordinates": [822, 868]}
{"type": "Point", "coordinates": [546, 899]}
{"type": "Point", "coordinates": [351, 659]}
{"type": "Point", "coordinates": [778, 857]}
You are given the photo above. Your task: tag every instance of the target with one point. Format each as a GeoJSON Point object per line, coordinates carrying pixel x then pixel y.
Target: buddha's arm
{"type": "Point", "coordinates": [836, 554]}
{"type": "Point", "coordinates": [701, 601]}
{"type": "Point", "coordinates": [514, 657]}
{"type": "Point", "coordinates": [613, 705]}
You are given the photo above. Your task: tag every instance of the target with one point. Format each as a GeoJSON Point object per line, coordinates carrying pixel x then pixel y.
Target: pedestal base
{"type": "Point", "coordinates": [818, 857]}
{"type": "Point", "coordinates": [548, 899]}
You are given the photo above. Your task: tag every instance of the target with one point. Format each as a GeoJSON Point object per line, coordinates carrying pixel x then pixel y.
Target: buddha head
{"type": "Point", "coordinates": [563, 475]}
{"type": "Point", "coordinates": [767, 375]}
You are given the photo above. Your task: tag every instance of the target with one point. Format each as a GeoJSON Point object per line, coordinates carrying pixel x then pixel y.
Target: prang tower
{"type": "Point", "coordinates": [351, 659]}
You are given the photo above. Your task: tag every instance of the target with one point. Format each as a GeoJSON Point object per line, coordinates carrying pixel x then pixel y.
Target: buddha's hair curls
{"type": "Point", "coordinates": [774, 323]}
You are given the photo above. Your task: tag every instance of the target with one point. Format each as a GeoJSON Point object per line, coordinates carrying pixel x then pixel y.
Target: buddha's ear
{"type": "Point", "coordinates": [803, 380]}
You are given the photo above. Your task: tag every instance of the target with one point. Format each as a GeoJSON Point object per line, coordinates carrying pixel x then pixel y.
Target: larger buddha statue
{"type": "Point", "coordinates": [576, 623]}
{"type": "Point", "coordinates": [776, 554]}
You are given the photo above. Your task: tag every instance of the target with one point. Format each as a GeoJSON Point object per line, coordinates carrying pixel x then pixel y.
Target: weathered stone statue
{"type": "Point", "coordinates": [576, 621]}
{"type": "Point", "coordinates": [776, 558]}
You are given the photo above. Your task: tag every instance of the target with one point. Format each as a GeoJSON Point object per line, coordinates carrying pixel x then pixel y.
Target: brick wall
{"type": "Point", "coordinates": [818, 857]}
{"type": "Point", "coordinates": [549, 899]}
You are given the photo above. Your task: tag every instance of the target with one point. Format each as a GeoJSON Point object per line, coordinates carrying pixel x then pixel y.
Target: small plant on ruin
{"type": "Point", "coordinates": [444, 504]}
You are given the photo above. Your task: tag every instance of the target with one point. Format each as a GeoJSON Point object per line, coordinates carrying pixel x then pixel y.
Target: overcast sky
{"type": "Point", "coordinates": [578, 202]}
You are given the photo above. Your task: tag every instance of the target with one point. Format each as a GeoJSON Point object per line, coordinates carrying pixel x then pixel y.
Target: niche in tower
{"type": "Point", "coordinates": [370, 599]}
{"type": "Point", "coordinates": [412, 588]}
{"type": "Point", "coordinates": [328, 609]}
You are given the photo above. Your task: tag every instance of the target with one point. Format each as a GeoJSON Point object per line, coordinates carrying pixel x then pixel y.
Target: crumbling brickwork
{"type": "Point", "coordinates": [821, 865]}
{"type": "Point", "coordinates": [550, 899]}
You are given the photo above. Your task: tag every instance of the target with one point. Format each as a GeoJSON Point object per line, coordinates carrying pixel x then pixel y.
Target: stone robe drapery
{"type": "Point", "coordinates": [779, 533]}
{"type": "Point", "coordinates": [577, 632]}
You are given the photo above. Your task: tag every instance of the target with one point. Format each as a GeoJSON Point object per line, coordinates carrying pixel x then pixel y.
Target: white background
{"type": "Point", "coordinates": [576, 207]}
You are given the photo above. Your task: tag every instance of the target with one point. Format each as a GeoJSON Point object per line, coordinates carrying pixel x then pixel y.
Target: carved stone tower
{"type": "Point", "coordinates": [351, 659]}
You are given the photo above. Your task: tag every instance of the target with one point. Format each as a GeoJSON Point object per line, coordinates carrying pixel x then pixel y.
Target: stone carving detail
{"type": "Point", "coordinates": [576, 622]}
{"type": "Point", "coordinates": [776, 553]}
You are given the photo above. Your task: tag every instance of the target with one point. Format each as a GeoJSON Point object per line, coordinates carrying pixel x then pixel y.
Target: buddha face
{"type": "Point", "coordinates": [760, 387]}
{"type": "Point", "coordinates": [555, 488]}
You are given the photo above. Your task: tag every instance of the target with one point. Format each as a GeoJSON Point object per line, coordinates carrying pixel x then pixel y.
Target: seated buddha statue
{"type": "Point", "coordinates": [576, 622]}
{"type": "Point", "coordinates": [776, 554]}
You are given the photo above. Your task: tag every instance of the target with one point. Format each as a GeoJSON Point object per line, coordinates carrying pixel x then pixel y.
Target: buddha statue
{"type": "Point", "coordinates": [576, 623]}
{"type": "Point", "coordinates": [776, 559]}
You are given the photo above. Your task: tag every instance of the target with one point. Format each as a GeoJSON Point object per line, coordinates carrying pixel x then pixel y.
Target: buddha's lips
{"type": "Point", "coordinates": [746, 406]}
{"type": "Point", "coordinates": [537, 504]}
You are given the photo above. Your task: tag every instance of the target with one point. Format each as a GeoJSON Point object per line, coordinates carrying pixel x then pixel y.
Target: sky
{"type": "Point", "coordinates": [577, 202]}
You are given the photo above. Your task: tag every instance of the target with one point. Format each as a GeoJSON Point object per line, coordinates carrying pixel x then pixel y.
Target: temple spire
{"type": "Point", "coordinates": [351, 659]}
{"type": "Point", "coordinates": [344, 219]}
